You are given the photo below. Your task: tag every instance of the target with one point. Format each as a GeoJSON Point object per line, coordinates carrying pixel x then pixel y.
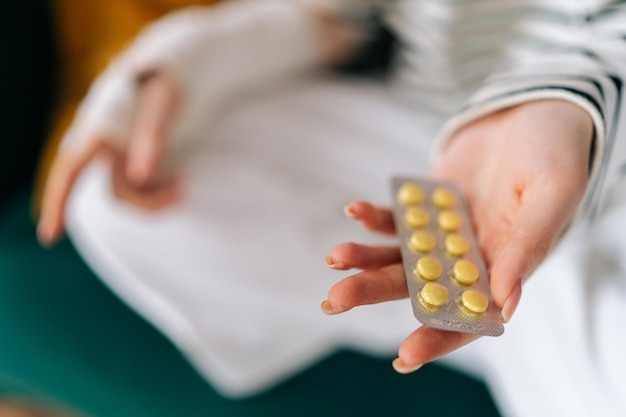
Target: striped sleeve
{"type": "Point", "coordinates": [579, 62]}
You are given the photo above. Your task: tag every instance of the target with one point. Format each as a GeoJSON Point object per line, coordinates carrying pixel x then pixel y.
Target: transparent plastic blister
{"type": "Point", "coordinates": [445, 271]}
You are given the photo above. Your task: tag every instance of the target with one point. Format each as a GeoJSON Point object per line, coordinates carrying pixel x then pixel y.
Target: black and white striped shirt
{"type": "Point", "coordinates": [466, 58]}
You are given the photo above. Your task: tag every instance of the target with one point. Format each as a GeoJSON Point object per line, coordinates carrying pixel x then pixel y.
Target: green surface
{"type": "Point", "coordinates": [66, 337]}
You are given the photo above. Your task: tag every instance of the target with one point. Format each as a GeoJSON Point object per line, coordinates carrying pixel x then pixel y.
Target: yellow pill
{"type": "Point", "coordinates": [410, 194]}
{"type": "Point", "coordinates": [444, 198]}
{"type": "Point", "coordinates": [433, 295]}
{"type": "Point", "coordinates": [474, 302]}
{"type": "Point", "coordinates": [422, 241]}
{"type": "Point", "coordinates": [456, 245]}
{"type": "Point", "coordinates": [449, 221]}
{"type": "Point", "coordinates": [429, 268]}
{"type": "Point", "coordinates": [465, 272]}
{"type": "Point", "coordinates": [416, 216]}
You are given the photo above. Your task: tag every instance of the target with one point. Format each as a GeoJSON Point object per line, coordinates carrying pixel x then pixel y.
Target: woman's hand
{"type": "Point", "coordinates": [523, 171]}
{"type": "Point", "coordinates": [134, 169]}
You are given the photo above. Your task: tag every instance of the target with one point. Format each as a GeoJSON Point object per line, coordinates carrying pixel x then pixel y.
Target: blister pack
{"type": "Point", "coordinates": [445, 271]}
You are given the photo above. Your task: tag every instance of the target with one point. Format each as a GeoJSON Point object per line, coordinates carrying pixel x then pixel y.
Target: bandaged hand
{"type": "Point", "coordinates": [173, 78]}
{"type": "Point", "coordinates": [523, 171]}
{"type": "Point", "coordinates": [134, 162]}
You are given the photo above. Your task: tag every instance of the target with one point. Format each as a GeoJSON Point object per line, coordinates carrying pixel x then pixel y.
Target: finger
{"type": "Point", "coordinates": [426, 345]}
{"type": "Point", "coordinates": [149, 197]}
{"type": "Point", "coordinates": [156, 106]}
{"type": "Point", "coordinates": [545, 210]}
{"type": "Point", "coordinates": [61, 180]}
{"type": "Point", "coordinates": [372, 218]}
{"type": "Point", "coordinates": [354, 255]}
{"type": "Point", "coordinates": [367, 287]}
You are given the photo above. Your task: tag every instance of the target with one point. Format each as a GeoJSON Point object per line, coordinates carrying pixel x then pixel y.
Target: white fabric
{"type": "Point", "coordinates": [235, 275]}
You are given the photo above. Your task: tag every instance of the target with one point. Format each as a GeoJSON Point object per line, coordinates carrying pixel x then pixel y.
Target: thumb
{"type": "Point", "coordinates": [156, 107]}
{"type": "Point", "coordinates": [544, 212]}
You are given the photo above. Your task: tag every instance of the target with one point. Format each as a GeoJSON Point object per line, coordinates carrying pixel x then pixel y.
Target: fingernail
{"type": "Point", "coordinates": [331, 263]}
{"type": "Point", "coordinates": [510, 305]}
{"type": "Point", "coordinates": [349, 211]}
{"type": "Point", "coordinates": [327, 308]}
{"type": "Point", "coordinates": [401, 368]}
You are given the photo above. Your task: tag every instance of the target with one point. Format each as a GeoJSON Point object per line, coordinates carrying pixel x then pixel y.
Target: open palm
{"type": "Point", "coordinates": [523, 171]}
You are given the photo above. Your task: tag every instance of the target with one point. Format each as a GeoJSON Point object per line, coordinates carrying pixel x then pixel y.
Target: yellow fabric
{"type": "Point", "coordinates": [89, 33]}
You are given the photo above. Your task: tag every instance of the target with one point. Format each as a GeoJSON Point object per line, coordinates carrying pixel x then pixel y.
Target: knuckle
{"type": "Point", "coordinates": [351, 253]}
{"type": "Point", "coordinates": [357, 293]}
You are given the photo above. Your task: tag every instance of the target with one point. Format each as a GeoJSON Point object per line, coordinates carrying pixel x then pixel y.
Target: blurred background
{"type": "Point", "coordinates": [70, 347]}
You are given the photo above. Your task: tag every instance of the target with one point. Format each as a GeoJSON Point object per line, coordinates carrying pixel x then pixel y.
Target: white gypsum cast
{"type": "Point", "coordinates": [212, 53]}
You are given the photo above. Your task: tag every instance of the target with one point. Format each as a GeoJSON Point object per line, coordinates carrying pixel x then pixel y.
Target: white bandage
{"type": "Point", "coordinates": [106, 111]}
{"type": "Point", "coordinates": [212, 53]}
